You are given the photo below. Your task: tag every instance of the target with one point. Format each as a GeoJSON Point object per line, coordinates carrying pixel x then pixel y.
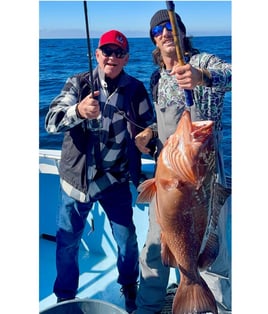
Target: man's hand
{"type": "Point", "coordinates": [142, 139]}
{"type": "Point", "coordinates": [187, 76]}
{"type": "Point", "coordinates": [89, 107]}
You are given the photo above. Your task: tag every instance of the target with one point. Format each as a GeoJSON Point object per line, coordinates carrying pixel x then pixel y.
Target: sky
{"type": "Point", "coordinates": [63, 19]}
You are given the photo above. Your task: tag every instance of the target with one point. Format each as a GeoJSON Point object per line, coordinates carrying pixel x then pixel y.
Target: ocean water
{"type": "Point", "coordinates": [60, 58]}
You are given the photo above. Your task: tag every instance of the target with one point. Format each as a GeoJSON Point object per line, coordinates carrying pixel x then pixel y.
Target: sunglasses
{"type": "Point", "coordinates": [118, 52]}
{"type": "Point", "coordinates": [158, 30]}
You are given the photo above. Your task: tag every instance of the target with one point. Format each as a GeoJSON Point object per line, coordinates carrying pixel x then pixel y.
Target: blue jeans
{"type": "Point", "coordinates": [117, 204]}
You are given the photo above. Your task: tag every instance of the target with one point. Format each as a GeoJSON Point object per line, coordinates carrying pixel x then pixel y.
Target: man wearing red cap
{"type": "Point", "coordinates": [209, 78]}
{"type": "Point", "coordinates": [100, 120]}
{"type": "Point", "coordinates": [116, 38]}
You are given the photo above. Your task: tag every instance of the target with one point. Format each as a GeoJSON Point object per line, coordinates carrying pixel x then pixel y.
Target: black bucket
{"type": "Point", "coordinates": [84, 306]}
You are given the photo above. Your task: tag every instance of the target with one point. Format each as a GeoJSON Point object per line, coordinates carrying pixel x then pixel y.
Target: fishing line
{"type": "Point", "coordinates": [122, 113]}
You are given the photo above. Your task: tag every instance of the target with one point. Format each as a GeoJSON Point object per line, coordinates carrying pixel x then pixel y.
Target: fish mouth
{"type": "Point", "coordinates": [201, 129]}
{"type": "Point", "coordinates": [189, 152]}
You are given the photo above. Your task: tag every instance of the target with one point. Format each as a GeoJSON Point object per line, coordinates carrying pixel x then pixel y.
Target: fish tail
{"type": "Point", "coordinates": [194, 298]}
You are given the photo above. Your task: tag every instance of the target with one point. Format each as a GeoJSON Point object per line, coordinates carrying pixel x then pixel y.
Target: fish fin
{"type": "Point", "coordinates": [169, 184]}
{"type": "Point", "coordinates": [168, 258]}
{"type": "Point", "coordinates": [210, 252]}
{"type": "Point", "coordinates": [221, 194]}
{"type": "Point", "coordinates": [146, 191]}
{"type": "Point", "coordinates": [211, 248]}
{"type": "Point", "coordinates": [219, 197]}
{"type": "Point", "coordinates": [194, 298]}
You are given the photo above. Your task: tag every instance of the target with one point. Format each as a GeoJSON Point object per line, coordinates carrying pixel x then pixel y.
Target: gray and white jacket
{"type": "Point", "coordinates": [125, 112]}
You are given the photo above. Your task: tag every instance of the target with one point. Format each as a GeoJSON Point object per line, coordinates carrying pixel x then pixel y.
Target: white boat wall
{"type": "Point", "coordinates": [97, 257]}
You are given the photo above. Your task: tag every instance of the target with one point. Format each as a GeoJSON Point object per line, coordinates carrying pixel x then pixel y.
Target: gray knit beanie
{"type": "Point", "coordinates": [162, 16]}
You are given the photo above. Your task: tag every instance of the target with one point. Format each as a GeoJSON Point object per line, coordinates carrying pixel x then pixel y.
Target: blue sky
{"type": "Point", "coordinates": [61, 19]}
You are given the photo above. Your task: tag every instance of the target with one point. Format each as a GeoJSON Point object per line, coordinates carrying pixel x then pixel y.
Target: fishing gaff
{"type": "Point", "coordinates": [176, 38]}
{"type": "Point", "coordinates": [89, 49]}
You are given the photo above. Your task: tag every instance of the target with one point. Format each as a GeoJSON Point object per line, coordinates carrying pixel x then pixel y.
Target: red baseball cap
{"type": "Point", "coordinates": [116, 38]}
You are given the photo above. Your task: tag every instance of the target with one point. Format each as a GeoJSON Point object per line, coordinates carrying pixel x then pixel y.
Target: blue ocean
{"type": "Point", "coordinates": [61, 58]}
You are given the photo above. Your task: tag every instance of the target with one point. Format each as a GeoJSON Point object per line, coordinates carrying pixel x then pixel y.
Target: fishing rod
{"type": "Point", "coordinates": [176, 37]}
{"type": "Point", "coordinates": [94, 124]}
{"type": "Point", "coordinates": [91, 72]}
{"type": "Point", "coordinates": [89, 49]}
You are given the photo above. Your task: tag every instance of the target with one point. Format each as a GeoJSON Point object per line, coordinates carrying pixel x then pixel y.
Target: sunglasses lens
{"type": "Point", "coordinates": [107, 52]}
{"type": "Point", "coordinates": [119, 53]}
{"type": "Point", "coordinates": [168, 26]}
{"type": "Point", "coordinates": [158, 30]}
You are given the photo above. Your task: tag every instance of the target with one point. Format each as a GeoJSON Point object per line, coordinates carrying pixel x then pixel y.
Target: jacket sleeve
{"type": "Point", "coordinates": [142, 114]}
{"type": "Point", "coordinates": [62, 110]}
{"type": "Point", "coordinates": [221, 71]}
{"type": "Point", "coordinates": [146, 112]}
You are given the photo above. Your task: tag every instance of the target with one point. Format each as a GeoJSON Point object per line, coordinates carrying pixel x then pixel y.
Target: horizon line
{"type": "Point", "coordinates": [190, 36]}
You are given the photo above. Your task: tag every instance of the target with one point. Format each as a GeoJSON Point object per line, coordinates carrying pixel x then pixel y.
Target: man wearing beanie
{"type": "Point", "coordinates": [98, 159]}
{"type": "Point", "coordinates": [161, 17]}
{"type": "Point", "coordinates": [209, 78]}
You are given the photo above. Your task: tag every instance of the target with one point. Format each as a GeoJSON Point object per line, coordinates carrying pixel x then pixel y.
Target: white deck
{"type": "Point", "coordinates": [98, 272]}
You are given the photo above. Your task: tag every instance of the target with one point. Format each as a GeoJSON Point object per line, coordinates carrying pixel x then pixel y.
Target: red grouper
{"type": "Point", "coordinates": [188, 202]}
